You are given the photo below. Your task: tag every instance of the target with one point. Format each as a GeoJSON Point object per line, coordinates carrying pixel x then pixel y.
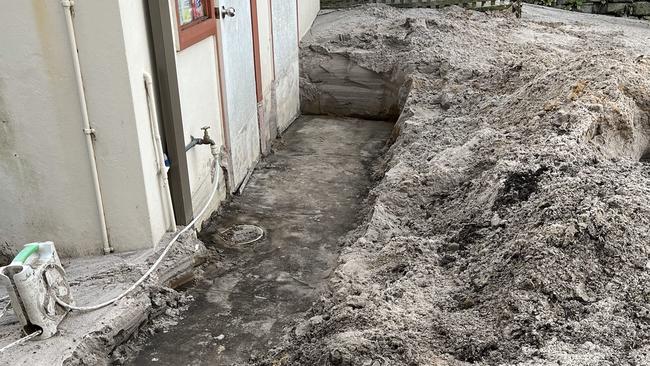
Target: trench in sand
{"type": "Point", "coordinates": [306, 196]}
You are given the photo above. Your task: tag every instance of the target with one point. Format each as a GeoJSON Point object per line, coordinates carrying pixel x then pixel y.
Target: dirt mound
{"type": "Point", "coordinates": [511, 224]}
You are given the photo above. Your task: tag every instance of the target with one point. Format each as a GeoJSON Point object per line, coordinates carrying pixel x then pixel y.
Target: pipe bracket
{"type": "Point", "coordinates": [89, 131]}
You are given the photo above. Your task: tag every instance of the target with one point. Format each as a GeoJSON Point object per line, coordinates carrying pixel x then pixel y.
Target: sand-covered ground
{"type": "Point", "coordinates": [511, 221]}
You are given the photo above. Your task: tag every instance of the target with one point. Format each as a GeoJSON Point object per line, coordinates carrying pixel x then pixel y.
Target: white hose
{"type": "Point", "coordinates": [154, 266]}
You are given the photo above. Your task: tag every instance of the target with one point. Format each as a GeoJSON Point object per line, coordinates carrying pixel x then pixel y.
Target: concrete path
{"type": "Point", "coordinates": [88, 338]}
{"type": "Point", "coordinates": [306, 196]}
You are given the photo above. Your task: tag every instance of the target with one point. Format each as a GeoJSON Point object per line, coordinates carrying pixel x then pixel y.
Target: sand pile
{"type": "Point", "coordinates": [512, 222]}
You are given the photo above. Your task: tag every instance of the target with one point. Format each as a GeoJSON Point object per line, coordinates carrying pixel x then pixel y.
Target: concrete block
{"type": "Point", "coordinates": [586, 8]}
{"type": "Point", "coordinates": [617, 8]}
{"type": "Point", "coordinates": [641, 8]}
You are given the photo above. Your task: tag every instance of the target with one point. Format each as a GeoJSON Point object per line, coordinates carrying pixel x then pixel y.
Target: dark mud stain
{"type": "Point", "coordinates": [518, 187]}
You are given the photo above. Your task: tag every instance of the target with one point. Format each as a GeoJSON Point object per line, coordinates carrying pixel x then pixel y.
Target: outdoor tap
{"type": "Point", "coordinates": [206, 140]}
{"type": "Point", "coordinates": [206, 137]}
{"type": "Point", "coordinates": [214, 149]}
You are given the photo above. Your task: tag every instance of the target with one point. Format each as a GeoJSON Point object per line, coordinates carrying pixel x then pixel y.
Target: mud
{"type": "Point", "coordinates": [305, 196]}
{"type": "Point", "coordinates": [91, 338]}
{"type": "Point", "coordinates": [511, 223]}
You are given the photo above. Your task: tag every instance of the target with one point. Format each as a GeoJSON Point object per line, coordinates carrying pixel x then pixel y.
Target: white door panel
{"type": "Point", "coordinates": [240, 97]}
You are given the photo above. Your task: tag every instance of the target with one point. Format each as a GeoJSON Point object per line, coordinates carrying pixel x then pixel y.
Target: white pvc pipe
{"type": "Point", "coordinates": [160, 156]}
{"type": "Point", "coordinates": [155, 265]}
{"type": "Point", "coordinates": [88, 131]}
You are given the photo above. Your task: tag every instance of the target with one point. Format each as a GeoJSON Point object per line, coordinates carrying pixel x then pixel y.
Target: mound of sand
{"type": "Point", "coordinates": [512, 222]}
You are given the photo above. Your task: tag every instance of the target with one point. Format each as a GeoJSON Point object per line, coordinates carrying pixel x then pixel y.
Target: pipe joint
{"type": "Point", "coordinates": [89, 131]}
{"type": "Point", "coordinates": [67, 3]}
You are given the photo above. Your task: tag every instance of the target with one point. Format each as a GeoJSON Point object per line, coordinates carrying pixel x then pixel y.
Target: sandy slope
{"type": "Point", "coordinates": [511, 225]}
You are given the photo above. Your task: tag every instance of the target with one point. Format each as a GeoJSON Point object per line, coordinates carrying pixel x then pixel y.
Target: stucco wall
{"type": "Point", "coordinates": [266, 43]}
{"type": "Point", "coordinates": [137, 45]}
{"type": "Point", "coordinates": [199, 89]}
{"type": "Point", "coordinates": [285, 45]}
{"type": "Point", "coordinates": [46, 189]}
{"type": "Point", "coordinates": [267, 106]}
{"type": "Point", "coordinates": [200, 106]}
{"type": "Point", "coordinates": [307, 12]}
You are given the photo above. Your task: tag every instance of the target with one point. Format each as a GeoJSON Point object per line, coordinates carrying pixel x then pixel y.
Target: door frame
{"type": "Point", "coordinates": [164, 58]}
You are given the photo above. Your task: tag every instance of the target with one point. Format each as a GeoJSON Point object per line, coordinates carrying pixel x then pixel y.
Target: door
{"type": "Point", "coordinates": [238, 87]}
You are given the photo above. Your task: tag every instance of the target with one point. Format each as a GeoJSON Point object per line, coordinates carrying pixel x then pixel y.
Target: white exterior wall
{"type": "Point", "coordinates": [200, 106]}
{"type": "Point", "coordinates": [200, 97]}
{"type": "Point", "coordinates": [285, 46]}
{"type": "Point", "coordinates": [140, 60]}
{"type": "Point", "coordinates": [111, 106]}
{"type": "Point", "coordinates": [46, 188]}
{"type": "Point", "coordinates": [307, 12]}
{"type": "Point", "coordinates": [266, 44]}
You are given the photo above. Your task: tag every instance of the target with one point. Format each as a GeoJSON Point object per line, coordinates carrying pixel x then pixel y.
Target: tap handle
{"type": "Point", "coordinates": [205, 128]}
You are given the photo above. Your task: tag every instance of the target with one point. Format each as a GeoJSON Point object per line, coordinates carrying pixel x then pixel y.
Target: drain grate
{"type": "Point", "coordinates": [242, 234]}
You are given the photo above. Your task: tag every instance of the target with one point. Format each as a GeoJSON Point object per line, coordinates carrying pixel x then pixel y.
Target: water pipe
{"type": "Point", "coordinates": [163, 180]}
{"type": "Point", "coordinates": [162, 256]}
{"type": "Point", "coordinates": [88, 131]}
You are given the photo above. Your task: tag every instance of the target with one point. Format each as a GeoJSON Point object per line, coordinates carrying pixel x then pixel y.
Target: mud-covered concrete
{"type": "Point", "coordinates": [89, 338]}
{"type": "Point", "coordinates": [511, 224]}
{"type": "Point", "coordinates": [306, 196]}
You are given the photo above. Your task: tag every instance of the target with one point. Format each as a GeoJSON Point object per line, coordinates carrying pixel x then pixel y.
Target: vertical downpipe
{"type": "Point", "coordinates": [160, 155]}
{"type": "Point", "coordinates": [88, 131]}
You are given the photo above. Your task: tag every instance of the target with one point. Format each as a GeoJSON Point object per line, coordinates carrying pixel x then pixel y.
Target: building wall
{"type": "Point", "coordinates": [266, 44]}
{"type": "Point", "coordinates": [639, 9]}
{"type": "Point", "coordinates": [139, 59]}
{"type": "Point", "coordinates": [198, 82]}
{"type": "Point", "coordinates": [47, 191]}
{"type": "Point", "coordinates": [285, 46]}
{"type": "Point", "coordinates": [119, 160]}
{"type": "Point", "coordinates": [307, 12]}
{"type": "Point", "coordinates": [266, 108]}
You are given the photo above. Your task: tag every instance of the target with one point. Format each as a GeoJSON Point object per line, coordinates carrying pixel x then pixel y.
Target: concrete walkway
{"type": "Point", "coordinates": [88, 338]}
{"type": "Point", "coordinates": [306, 196]}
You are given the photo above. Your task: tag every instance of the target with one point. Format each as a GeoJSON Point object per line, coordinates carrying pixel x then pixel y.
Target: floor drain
{"type": "Point", "coordinates": [242, 234]}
